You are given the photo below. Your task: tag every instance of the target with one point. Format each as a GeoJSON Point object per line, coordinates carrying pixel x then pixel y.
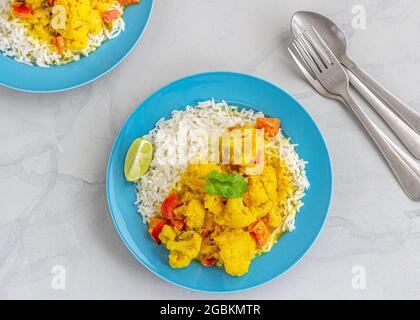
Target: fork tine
{"type": "Point", "coordinates": [308, 75]}
{"type": "Point", "coordinates": [308, 68]}
{"type": "Point", "coordinates": [317, 52]}
{"type": "Point", "coordinates": [309, 50]}
{"type": "Point", "coordinates": [312, 79]}
{"type": "Point", "coordinates": [333, 59]}
{"type": "Point", "coordinates": [324, 56]}
{"type": "Point", "coordinates": [306, 57]}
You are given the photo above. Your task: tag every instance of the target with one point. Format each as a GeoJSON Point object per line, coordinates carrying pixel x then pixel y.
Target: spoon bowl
{"type": "Point", "coordinates": [331, 33]}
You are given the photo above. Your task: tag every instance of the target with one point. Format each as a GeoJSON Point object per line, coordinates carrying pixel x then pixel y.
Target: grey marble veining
{"type": "Point", "coordinates": [55, 147]}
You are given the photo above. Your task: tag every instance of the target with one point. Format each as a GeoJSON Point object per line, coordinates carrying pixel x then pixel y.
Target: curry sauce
{"type": "Point", "coordinates": [219, 230]}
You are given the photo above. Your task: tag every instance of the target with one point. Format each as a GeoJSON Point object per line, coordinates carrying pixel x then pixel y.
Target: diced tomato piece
{"type": "Point", "coordinates": [260, 232]}
{"type": "Point", "coordinates": [178, 224]}
{"type": "Point", "coordinates": [50, 2]}
{"type": "Point", "coordinates": [128, 2]}
{"type": "Point", "coordinates": [208, 262]}
{"type": "Point", "coordinates": [111, 15]}
{"type": "Point", "coordinates": [271, 126]}
{"type": "Point", "coordinates": [168, 206]}
{"type": "Point", "coordinates": [59, 43]}
{"type": "Point", "coordinates": [155, 228]}
{"type": "Point", "coordinates": [22, 11]}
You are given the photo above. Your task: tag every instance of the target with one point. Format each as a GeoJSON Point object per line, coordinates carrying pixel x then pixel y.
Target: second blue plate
{"type": "Point", "coordinates": [58, 78]}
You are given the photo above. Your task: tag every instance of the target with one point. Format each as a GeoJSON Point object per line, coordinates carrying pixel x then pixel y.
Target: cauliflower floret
{"type": "Point", "coordinates": [261, 188]}
{"type": "Point", "coordinates": [167, 234]}
{"type": "Point", "coordinates": [195, 214]}
{"type": "Point", "coordinates": [236, 215]}
{"type": "Point", "coordinates": [237, 248]}
{"type": "Point", "coordinates": [183, 249]}
{"type": "Point", "coordinates": [256, 194]}
{"type": "Point", "coordinates": [178, 260]}
{"type": "Point", "coordinates": [214, 204]}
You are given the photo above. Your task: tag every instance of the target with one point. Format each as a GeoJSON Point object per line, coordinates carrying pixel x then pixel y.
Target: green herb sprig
{"type": "Point", "coordinates": [226, 185]}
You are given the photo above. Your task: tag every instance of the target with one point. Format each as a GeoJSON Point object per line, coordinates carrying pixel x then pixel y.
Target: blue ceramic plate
{"type": "Point", "coordinates": [241, 90]}
{"type": "Point", "coordinates": [59, 78]}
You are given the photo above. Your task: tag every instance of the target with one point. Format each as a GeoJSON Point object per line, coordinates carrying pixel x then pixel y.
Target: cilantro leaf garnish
{"type": "Point", "coordinates": [226, 185]}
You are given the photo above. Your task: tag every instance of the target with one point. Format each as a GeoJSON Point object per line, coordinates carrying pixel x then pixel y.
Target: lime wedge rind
{"type": "Point", "coordinates": [138, 159]}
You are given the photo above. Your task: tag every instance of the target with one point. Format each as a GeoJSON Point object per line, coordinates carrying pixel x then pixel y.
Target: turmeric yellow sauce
{"type": "Point", "coordinates": [225, 231]}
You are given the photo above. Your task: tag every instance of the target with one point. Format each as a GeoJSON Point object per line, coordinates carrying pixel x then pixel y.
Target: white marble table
{"type": "Point", "coordinates": [54, 152]}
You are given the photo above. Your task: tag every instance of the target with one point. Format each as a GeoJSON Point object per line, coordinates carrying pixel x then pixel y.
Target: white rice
{"type": "Point", "coordinates": [16, 43]}
{"type": "Point", "coordinates": [178, 140]}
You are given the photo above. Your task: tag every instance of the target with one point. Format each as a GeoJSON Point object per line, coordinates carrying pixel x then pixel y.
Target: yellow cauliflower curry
{"type": "Point", "coordinates": [220, 215]}
{"type": "Point", "coordinates": [65, 25]}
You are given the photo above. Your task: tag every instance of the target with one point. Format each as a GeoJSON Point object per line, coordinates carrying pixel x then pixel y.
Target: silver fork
{"type": "Point", "coordinates": [325, 73]}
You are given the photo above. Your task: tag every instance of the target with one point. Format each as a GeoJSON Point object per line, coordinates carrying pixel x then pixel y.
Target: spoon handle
{"type": "Point", "coordinates": [411, 116]}
{"type": "Point", "coordinates": [405, 168]}
{"type": "Point", "coordinates": [402, 130]}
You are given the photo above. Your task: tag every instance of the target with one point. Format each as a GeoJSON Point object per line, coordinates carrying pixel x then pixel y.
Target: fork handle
{"type": "Point", "coordinates": [411, 116]}
{"type": "Point", "coordinates": [405, 168]}
{"type": "Point", "coordinates": [401, 129]}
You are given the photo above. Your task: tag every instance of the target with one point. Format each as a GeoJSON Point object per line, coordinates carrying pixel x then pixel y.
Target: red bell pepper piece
{"type": "Point", "coordinates": [111, 15]}
{"type": "Point", "coordinates": [128, 2]}
{"type": "Point", "coordinates": [22, 11]}
{"type": "Point", "coordinates": [59, 43]}
{"type": "Point", "coordinates": [208, 262]}
{"type": "Point", "coordinates": [271, 126]}
{"type": "Point", "coordinates": [155, 228]}
{"type": "Point", "coordinates": [260, 232]}
{"type": "Point", "coordinates": [178, 224]}
{"type": "Point", "coordinates": [168, 206]}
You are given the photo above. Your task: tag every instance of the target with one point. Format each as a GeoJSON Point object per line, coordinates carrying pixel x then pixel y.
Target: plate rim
{"type": "Point", "coordinates": [245, 288]}
{"type": "Point", "coordinates": [94, 78]}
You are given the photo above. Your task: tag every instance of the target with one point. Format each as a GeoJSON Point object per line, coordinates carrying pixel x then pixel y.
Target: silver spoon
{"type": "Point", "coordinates": [335, 39]}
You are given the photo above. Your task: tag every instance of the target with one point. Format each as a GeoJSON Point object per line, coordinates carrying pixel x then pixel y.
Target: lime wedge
{"type": "Point", "coordinates": [138, 158]}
